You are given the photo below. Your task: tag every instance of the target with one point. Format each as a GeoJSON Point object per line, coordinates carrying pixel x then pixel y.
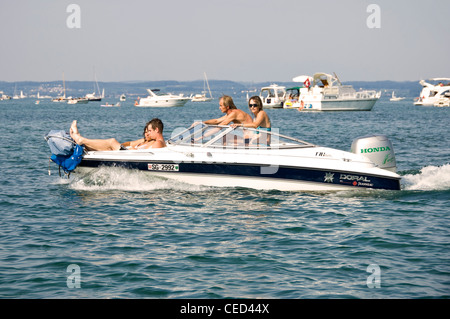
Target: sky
{"type": "Point", "coordinates": [237, 40]}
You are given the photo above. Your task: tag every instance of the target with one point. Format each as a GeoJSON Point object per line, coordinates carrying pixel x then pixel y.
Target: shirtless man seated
{"type": "Point", "coordinates": [232, 113]}
{"type": "Point", "coordinates": [153, 138]}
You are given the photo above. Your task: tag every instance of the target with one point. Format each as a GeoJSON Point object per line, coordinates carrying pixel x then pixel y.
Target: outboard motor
{"type": "Point", "coordinates": [378, 148]}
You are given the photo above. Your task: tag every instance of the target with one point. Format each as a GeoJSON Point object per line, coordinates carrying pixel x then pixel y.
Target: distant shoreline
{"type": "Point", "coordinates": [218, 87]}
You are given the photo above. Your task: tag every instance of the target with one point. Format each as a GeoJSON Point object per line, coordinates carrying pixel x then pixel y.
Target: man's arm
{"type": "Point", "coordinates": [215, 121]}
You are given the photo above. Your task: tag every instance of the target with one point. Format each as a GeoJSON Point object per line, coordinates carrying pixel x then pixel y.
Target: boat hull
{"type": "Point", "coordinates": [161, 103]}
{"type": "Point", "coordinates": [333, 105]}
{"type": "Point", "coordinates": [262, 176]}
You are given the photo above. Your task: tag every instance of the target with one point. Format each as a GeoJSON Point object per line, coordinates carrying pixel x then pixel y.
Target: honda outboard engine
{"type": "Point", "coordinates": [378, 148]}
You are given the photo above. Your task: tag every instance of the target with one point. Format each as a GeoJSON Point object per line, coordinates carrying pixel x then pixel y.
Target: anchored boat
{"type": "Point", "coordinates": [273, 96]}
{"type": "Point", "coordinates": [325, 92]}
{"type": "Point", "coordinates": [242, 157]}
{"type": "Point", "coordinates": [433, 91]}
{"type": "Point", "coordinates": [162, 100]}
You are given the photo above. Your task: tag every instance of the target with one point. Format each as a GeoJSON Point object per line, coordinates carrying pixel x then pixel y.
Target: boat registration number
{"type": "Point", "coordinates": [164, 167]}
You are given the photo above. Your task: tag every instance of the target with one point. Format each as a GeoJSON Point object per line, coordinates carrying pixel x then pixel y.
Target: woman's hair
{"type": "Point", "coordinates": [155, 123]}
{"type": "Point", "coordinates": [228, 101]}
{"type": "Point", "coordinates": [257, 100]}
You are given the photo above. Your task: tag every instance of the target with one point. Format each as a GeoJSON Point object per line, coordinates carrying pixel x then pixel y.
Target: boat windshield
{"type": "Point", "coordinates": [221, 136]}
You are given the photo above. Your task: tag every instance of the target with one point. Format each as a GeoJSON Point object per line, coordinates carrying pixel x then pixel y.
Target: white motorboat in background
{"type": "Point", "coordinates": [273, 96]}
{"type": "Point", "coordinates": [202, 97]}
{"type": "Point", "coordinates": [3, 96]}
{"type": "Point", "coordinates": [225, 156]}
{"type": "Point", "coordinates": [395, 98]}
{"type": "Point", "coordinates": [110, 105]}
{"type": "Point", "coordinates": [78, 100]}
{"type": "Point", "coordinates": [162, 100]}
{"type": "Point", "coordinates": [432, 92]}
{"type": "Point", "coordinates": [324, 92]}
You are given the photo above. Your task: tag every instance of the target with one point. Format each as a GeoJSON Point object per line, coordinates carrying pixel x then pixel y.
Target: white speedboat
{"type": "Point", "coordinates": [432, 91]}
{"type": "Point", "coordinates": [273, 96]}
{"type": "Point", "coordinates": [162, 100]}
{"type": "Point", "coordinates": [324, 92]}
{"type": "Point", "coordinates": [395, 98]}
{"type": "Point", "coordinates": [241, 157]}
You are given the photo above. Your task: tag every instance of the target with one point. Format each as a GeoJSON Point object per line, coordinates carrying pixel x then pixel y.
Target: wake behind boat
{"type": "Point", "coordinates": [241, 157]}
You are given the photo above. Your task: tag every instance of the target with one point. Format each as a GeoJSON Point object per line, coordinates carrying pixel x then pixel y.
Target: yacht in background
{"type": "Point", "coordinates": [95, 98]}
{"type": "Point", "coordinates": [325, 92]}
{"type": "Point", "coordinates": [273, 96]}
{"type": "Point", "coordinates": [162, 100]}
{"type": "Point", "coordinates": [433, 91]}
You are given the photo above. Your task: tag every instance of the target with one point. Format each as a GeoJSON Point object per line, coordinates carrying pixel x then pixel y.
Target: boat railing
{"type": "Point", "coordinates": [202, 135]}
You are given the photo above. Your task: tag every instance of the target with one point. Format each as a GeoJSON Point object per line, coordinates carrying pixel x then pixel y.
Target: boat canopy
{"type": "Point", "coordinates": [302, 78]}
{"type": "Point", "coordinates": [324, 79]}
{"type": "Point", "coordinates": [224, 136]}
{"type": "Point", "coordinates": [320, 79]}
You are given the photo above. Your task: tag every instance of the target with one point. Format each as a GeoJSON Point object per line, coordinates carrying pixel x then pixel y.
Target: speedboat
{"type": "Point", "coordinates": [214, 155]}
{"type": "Point", "coordinates": [325, 92]}
{"type": "Point", "coordinates": [395, 98]}
{"type": "Point", "coordinates": [432, 92]}
{"type": "Point", "coordinates": [273, 96]}
{"type": "Point", "coordinates": [162, 100]}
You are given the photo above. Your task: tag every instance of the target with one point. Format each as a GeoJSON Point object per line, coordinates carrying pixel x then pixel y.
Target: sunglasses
{"type": "Point", "coordinates": [253, 105]}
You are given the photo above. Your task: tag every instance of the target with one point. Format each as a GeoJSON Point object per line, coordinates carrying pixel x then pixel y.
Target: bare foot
{"type": "Point", "coordinates": [73, 127]}
{"type": "Point", "coordinates": [74, 133]}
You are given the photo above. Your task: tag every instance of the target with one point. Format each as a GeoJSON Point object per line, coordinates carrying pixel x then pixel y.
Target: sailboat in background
{"type": "Point", "coordinates": [61, 98]}
{"type": "Point", "coordinates": [16, 96]}
{"type": "Point", "coordinates": [93, 96]}
{"type": "Point", "coordinates": [202, 97]}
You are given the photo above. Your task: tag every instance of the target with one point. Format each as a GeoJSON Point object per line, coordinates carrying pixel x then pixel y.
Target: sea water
{"type": "Point", "coordinates": [116, 233]}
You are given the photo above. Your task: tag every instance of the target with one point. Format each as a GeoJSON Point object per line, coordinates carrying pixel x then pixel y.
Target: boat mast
{"type": "Point", "coordinates": [96, 83]}
{"type": "Point", "coordinates": [207, 83]}
{"type": "Point", "coordinates": [64, 85]}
